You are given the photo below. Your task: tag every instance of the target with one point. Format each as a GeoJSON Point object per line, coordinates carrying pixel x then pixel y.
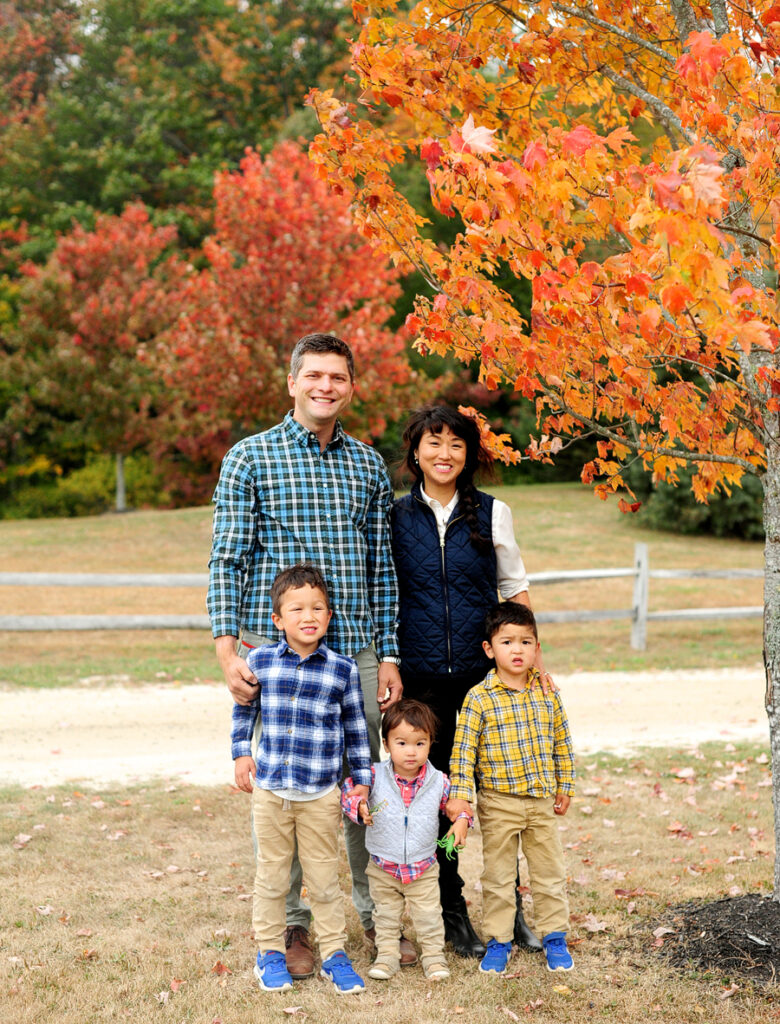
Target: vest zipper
{"type": "Point", "coordinates": [406, 829]}
{"type": "Point", "coordinates": [447, 618]}
{"type": "Point", "coordinates": [447, 615]}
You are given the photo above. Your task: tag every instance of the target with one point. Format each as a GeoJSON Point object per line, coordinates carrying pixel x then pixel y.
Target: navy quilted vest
{"type": "Point", "coordinates": [444, 593]}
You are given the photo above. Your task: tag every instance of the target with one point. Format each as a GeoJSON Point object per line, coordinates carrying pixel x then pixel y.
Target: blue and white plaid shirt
{"type": "Point", "coordinates": [280, 501]}
{"type": "Point", "coordinates": [312, 710]}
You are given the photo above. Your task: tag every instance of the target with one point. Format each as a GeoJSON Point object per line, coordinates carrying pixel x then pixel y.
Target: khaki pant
{"type": "Point", "coordinates": [504, 820]}
{"type": "Point", "coordinates": [314, 825]}
{"type": "Point", "coordinates": [422, 898]}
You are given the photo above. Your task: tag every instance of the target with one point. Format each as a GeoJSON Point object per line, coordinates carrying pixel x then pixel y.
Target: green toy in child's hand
{"type": "Point", "coordinates": [447, 843]}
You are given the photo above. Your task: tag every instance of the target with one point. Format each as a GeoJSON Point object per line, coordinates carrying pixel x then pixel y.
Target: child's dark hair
{"type": "Point", "coordinates": [294, 577]}
{"type": "Point", "coordinates": [413, 712]}
{"type": "Point", "coordinates": [435, 418]}
{"type": "Point", "coordinates": [506, 613]}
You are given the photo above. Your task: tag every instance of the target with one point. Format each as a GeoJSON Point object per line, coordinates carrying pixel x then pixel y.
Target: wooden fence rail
{"type": "Point", "coordinates": [638, 613]}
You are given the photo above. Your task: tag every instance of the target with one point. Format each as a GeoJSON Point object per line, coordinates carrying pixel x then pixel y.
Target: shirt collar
{"type": "Point", "coordinates": [306, 438]}
{"type": "Point", "coordinates": [448, 509]}
{"type": "Point", "coordinates": [492, 680]}
{"type": "Point", "coordinates": [284, 648]}
{"type": "Point", "coordinates": [418, 779]}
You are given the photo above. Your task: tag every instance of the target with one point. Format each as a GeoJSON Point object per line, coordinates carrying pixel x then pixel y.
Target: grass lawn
{"type": "Point", "coordinates": [558, 526]}
{"type": "Point", "coordinates": [135, 905]}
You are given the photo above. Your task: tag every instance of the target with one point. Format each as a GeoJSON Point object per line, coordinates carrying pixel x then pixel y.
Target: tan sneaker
{"type": "Point", "coordinates": [382, 971]}
{"type": "Point", "coordinates": [437, 971]}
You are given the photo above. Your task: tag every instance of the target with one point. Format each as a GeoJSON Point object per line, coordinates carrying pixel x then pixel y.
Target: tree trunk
{"type": "Point", "coordinates": [121, 501]}
{"type": "Point", "coordinates": [771, 483]}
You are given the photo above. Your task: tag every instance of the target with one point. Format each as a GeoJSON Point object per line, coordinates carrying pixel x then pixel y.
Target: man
{"type": "Point", "coordinates": [306, 491]}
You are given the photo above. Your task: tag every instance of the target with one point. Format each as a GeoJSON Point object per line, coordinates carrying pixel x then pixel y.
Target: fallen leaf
{"type": "Point", "coordinates": [21, 841]}
{"type": "Point", "coordinates": [89, 954]}
{"type": "Point", "coordinates": [44, 911]}
{"type": "Point", "coordinates": [591, 924]}
{"type": "Point", "coordinates": [176, 984]}
{"type": "Point", "coordinates": [220, 968]}
{"type": "Point", "coordinates": [291, 1009]}
{"type": "Point", "coordinates": [84, 933]}
{"type": "Point", "coordinates": [727, 993]}
{"type": "Point", "coordinates": [509, 1013]}
{"type": "Point", "coordinates": [563, 990]}
{"type": "Point", "coordinates": [663, 931]}
{"type": "Point", "coordinates": [162, 997]}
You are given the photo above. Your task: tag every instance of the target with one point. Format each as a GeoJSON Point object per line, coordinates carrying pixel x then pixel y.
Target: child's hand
{"type": "Point", "coordinates": [455, 807]}
{"type": "Point", "coordinates": [460, 830]}
{"type": "Point", "coordinates": [561, 805]}
{"type": "Point", "coordinates": [245, 773]}
{"type": "Point", "coordinates": [365, 814]}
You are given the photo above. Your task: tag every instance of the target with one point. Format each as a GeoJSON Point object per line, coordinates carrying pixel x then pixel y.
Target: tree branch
{"type": "Point", "coordinates": [674, 453]}
{"type": "Point", "coordinates": [585, 15]}
{"type": "Point", "coordinates": [666, 114]}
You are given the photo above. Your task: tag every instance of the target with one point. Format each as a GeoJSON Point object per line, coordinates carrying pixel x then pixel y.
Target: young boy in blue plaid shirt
{"type": "Point", "coordinates": [513, 739]}
{"type": "Point", "coordinates": [312, 710]}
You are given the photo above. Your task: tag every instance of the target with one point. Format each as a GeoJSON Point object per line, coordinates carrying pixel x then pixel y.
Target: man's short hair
{"type": "Point", "coordinates": [297, 576]}
{"type": "Point", "coordinates": [413, 712]}
{"type": "Point", "coordinates": [321, 344]}
{"type": "Point", "coordinates": [509, 613]}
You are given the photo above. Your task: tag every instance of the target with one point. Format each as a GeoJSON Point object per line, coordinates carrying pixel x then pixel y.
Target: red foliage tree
{"type": "Point", "coordinates": [284, 261]}
{"type": "Point", "coordinates": [89, 330]}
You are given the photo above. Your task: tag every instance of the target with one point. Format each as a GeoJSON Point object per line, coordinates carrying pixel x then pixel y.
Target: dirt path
{"type": "Point", "coordinates": [100, 734]}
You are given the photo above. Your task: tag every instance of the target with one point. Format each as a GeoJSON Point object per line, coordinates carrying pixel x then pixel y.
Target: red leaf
{"type": "Point", "coordinates": [535, 156]}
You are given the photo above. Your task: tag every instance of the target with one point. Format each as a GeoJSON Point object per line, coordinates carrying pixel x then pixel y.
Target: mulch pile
{"type": "Point", "coordinates": [737, 937]}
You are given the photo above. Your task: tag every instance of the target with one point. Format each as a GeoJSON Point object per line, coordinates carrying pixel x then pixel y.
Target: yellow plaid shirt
{"type": "Point", "coordinates": [512, 741]}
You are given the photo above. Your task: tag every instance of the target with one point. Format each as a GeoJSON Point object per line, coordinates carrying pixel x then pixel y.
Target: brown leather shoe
{"type": "Point", "coordinates": [408, 952]}
{"type": "Point", "coordinates": [298, 952]}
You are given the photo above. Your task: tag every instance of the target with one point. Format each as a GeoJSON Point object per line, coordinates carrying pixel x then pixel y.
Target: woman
{"type": "Point", "coordinates": [454, 550]}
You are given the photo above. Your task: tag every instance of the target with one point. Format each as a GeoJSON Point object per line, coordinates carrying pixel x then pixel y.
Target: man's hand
{"type": "Point", "coordinates": [455, 807]}
{"type": "Point", "coordinates": [389, 686]}
{"type": "Point", "coordinates": [561, 805]}
{"type": "Point", "coordinates": [245, 773]}
{"type": "Point", "coordinates": [241, 681]}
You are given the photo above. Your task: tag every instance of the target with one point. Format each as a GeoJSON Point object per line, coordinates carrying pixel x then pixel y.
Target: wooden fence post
{"type": "Point", "coordinates": [641, 593]}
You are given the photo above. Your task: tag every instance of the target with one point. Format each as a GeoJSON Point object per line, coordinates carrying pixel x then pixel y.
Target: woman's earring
{"type": "Point", "coordinates": [416, 460]}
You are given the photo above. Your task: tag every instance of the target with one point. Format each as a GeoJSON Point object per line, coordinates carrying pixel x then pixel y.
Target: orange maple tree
{"type": "Point", "coordinates": [623, 158]}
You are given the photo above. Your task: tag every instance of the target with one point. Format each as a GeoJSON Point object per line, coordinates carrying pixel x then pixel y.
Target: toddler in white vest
{"type": "Point", "coordinates": [402, 817]}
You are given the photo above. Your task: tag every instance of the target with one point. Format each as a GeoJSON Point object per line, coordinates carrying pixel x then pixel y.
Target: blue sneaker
{"type": "Point", "coordinates": [557, 952]}
{"type": "Point", "coordinates": [271, 972]}
{"type": "Point", "coordinates": [496, 958]}
{"type": "Point", "coordinates": [338, 969]}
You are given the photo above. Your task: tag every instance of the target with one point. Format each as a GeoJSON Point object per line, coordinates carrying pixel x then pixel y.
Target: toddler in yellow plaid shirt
{"type": "Point", "coordinates": [513, 740]}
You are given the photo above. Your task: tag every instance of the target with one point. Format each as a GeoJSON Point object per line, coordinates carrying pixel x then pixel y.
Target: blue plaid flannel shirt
{"type": "Point", "coordinates": [312, 710]}
{"type": "Point", "coordinates": [280, 501]}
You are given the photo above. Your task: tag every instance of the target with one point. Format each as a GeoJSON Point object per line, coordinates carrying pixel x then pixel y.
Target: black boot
{"type": "Point", "coordinates": [523, 936]}
{"type": "Point", "coordinates": [459, 932]}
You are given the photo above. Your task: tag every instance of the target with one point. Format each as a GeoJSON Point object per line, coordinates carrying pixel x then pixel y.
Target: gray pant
{"type": "Point", "coordinates": [298, 913]}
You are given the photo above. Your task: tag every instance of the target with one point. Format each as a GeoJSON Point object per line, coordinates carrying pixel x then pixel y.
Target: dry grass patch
{"type": "Point", "coordinates": [559, 526]}
{"type": "Point", "coordinates": [132, 905]}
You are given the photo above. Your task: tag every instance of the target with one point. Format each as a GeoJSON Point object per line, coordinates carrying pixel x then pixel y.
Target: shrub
{"type": "Point", "coordinates": [89, 490]}
{"type": "Point", "coordinates": [665, 507]}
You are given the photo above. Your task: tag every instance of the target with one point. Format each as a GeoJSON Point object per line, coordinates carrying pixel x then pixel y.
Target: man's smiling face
{"type": "Point", "coordinates": [322, 389]}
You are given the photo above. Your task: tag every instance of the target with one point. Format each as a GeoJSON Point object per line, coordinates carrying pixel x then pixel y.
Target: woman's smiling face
{"type": "Point", "coordinates": [441, 458]}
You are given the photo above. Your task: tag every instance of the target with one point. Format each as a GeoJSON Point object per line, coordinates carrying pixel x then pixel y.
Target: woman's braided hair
{"type": "Point", "coordinates": [434, 418]}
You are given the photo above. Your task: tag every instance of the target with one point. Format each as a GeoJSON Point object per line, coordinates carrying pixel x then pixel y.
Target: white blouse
{"type": "Point", "coordinates": [512, 577]}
